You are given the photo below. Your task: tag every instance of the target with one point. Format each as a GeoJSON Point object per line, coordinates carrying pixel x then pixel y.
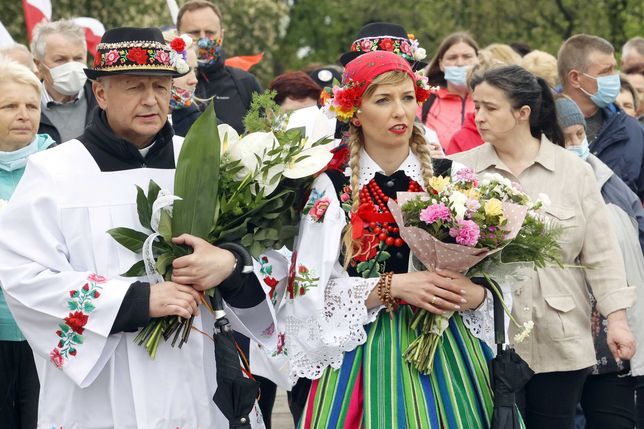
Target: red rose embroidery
{"type": "Point", "coordinates": [59, 333]}
{"type": "Point", "coordinates": [111, 57]}
{"type": "Point", "coordinates": [290, 288]}
{"type": "Point", "coordinates": [57, 358]}
{"type": "Point", "coordinates": [138, 55]}
{"type": "Point", "coordinates": [85, 287]}
{"type": "Point", "coordinates": [387, 44]}
{"type": "Point", "coordinates": [96, 294]}
{"type": "Point", "coordinates": [72, 352]}
{"type": "Point", "coordinates": [76, 321]}
{"type": "Point", "coordinates": [72, 293]}
{"type": "Point", "coordinates": [178, 44]}
{"type": "Point", "coordinates": [319, 208]}
{"type": "Point", "coordinates": [302, 269]}
{"type": "Point", "coordinates": [271, 282]}
{"type": "Point", "coordinates": [368, 247]}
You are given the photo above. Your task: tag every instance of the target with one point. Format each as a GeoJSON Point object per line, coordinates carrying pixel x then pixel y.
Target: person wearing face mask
{"type": "Point", "coordinates": [67, 102]}
{"type": "Point", "coordinates": [516, 117]}
{"type": "Point", "coordinates": [588, 74]}
{"type": "Point", "coordinates": [230, 88]}
{"type": "Point", "coordinates": [608, 395]}
{"type": "Point", "coordinates": [445, 111]}
{"type": "Point", "coordinates": [184, 109]}
{"type": "Point", "coordinates": [19, 115]}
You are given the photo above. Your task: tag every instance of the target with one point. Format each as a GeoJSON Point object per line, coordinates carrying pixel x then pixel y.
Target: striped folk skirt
{"type": "Point", "coordinates": [376, 388]}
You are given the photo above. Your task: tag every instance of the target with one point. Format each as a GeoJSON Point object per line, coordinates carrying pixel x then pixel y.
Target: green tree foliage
{"type": "Point", "coordinates": [294, 33]}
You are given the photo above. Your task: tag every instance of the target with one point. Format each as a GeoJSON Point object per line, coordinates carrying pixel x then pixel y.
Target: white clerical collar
{"type": "Point", "coordinates": [145, 150]}
{"type": "Point", "coordinates": [368, 168]}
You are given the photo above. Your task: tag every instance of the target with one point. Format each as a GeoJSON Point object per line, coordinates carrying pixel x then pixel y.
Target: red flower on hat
{"type": "Point", "coordinates": [97, 59]}
{"type": "Point", "coordinates": [138, 55]}
{"type": "Point", "coordinates": [111, 57]}
{"type": "Point", "coordinates": [178, 44]}
{"type": "Point", "coordinates": [387, 44]}
{"type": "Point", "coordinates": [405, 47]}
{"type": "Point", "coordinates": [365, 45]}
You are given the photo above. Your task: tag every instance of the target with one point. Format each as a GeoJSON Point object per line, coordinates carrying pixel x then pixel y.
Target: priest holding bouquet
{"type": "Point", "coordinates": [61, 272]}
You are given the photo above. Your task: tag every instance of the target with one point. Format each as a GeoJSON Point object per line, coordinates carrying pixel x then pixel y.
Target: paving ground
{"type": "Point", "coordinates": [281, 415]}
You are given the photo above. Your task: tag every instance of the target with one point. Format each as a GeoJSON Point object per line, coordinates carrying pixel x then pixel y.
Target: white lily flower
{"type": "Point", "coordinates": [525, 332]}
{"type": "Point", "coordinates": [311, 159]}
{"type": "Point", "coordinates": [458, 202]}
{"type": "Point", "coordinates": [252, 151]}
{"type": "Point", "coordinates": [227, 136]}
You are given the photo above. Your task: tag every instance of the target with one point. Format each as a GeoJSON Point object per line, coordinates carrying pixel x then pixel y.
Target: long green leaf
{"type": "Point", "coordinates": [136, 270]}
{"type": "Point", "coordinates": [143, 208]}
{"type": "Point", "coordinates": [197, 178]}
{"type": "Point", "coordinates": [129, 238]}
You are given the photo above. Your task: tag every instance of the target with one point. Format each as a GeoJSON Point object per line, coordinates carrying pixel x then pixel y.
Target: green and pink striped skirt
{"type": "Point", "coordinates": [376, 388]}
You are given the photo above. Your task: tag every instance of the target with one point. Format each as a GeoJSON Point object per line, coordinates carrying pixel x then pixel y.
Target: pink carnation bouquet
{"type": "Point", "coordinates": [459, 223]}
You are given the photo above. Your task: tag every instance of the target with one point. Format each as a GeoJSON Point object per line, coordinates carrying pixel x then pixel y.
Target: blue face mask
{"type": "Point", "coordinates": [608, 88]}
{"type": "Point", "coordinates": [582, 151]}
{"type": "Point", "coordinates": [456, 75]}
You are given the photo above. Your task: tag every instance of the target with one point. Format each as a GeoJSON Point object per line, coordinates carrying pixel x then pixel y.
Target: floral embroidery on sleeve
{"type": "Point", "coordinates": [266, 269]}
{"type": "Point", "coordinates": [316, 206]}
{"type": "Point", "coordinates": [300, 281]}
{"type": "Point", "coordinates": [281, 350]}
{"type": "Point", "coordinates": [80, 304]}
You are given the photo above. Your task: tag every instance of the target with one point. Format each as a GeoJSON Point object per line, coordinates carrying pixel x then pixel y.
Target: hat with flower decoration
{"type": "Point", "coordinates": [344, 100]}
{"type": "Point", "coordinates": [136, 51]}
{"type": "Point", "coordinates": [383, 36]}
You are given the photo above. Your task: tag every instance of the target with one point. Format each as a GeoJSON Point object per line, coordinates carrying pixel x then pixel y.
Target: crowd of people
{"type": "Point", "coordinates": [76, 139]}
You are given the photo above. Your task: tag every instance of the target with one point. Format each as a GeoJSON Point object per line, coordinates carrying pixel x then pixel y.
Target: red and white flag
{"type": "Point", "coordinates": [94, 30]}
{"type": "Point", "coordinates": [35, 12]}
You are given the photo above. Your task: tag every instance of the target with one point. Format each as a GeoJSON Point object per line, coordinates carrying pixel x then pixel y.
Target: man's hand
{"type": "Point", "coordinates": [172, 299]}
{"type": "Point", "coordinates": [619, 336]}
{"type": "Point", "coordinates": [205, 268]}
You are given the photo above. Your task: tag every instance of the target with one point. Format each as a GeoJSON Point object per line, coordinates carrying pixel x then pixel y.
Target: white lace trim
{"type": "Point", "coordinates": [321, 340]}
{"type": "Point", "coordinates": [368, 168]}
{"type": "Point", "coordinates": [480, 321]}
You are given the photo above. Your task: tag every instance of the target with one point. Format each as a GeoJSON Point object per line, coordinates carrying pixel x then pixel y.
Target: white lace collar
{"type": "Point", "coordinates": [368, 168]}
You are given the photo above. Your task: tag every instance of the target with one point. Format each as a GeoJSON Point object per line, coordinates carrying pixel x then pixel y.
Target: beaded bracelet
{"type": "Point", "coordinates": [384, 292]}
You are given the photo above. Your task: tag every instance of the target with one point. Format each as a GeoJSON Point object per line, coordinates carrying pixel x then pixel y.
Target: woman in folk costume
{"type": "Point", "coordinates": [336, 331]}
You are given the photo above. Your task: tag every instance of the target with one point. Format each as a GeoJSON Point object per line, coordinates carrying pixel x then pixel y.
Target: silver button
{"type": "Point", "coordinates": [243, 420]}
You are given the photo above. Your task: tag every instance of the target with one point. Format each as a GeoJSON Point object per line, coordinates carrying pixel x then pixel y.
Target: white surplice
{"type": "Point", "coordinates": [54, 250]}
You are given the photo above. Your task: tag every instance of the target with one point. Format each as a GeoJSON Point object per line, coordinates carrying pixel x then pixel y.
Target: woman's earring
{"type": "Point", "coordinates": [356, 122]}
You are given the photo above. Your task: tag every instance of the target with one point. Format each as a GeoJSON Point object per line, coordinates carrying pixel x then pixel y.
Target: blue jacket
{"type": "Point", "coordinates": [620, 145]}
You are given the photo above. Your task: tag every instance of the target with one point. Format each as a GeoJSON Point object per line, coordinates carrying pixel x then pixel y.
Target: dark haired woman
{"type": "Point", "coordinates": [445, 110]}
{"type": "Point", "coordinates": [516, 117]}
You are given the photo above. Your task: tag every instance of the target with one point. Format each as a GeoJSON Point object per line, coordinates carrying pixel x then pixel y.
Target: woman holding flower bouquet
{"type": "Point", "coordinates": [516, 116]}
{"type": "Point", "coordinates": [350, 263]}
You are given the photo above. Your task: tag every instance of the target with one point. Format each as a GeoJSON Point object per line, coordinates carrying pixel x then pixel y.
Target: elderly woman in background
{"type": "Point", "coordinates": [444, 111]}
{"type": "Point", "coordinates": [19, 120]}
{"type": "Point", "coordinates": [516, 116]}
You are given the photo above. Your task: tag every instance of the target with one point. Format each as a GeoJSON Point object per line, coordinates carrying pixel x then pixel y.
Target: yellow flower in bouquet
{"type": "Point", "coordinates": [439, 183]}
{"type": "Point", "coordinates": [493, 207]}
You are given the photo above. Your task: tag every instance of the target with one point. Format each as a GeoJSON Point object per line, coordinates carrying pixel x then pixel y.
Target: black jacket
{"type": "Point", "coordinates": [231, 90]}
{"type": "Point", "coordinates": [46, 126]}
{"type": "Point", "coordinates": [620, 145]}
{"type": "Point", "coordinates": [112, 153]}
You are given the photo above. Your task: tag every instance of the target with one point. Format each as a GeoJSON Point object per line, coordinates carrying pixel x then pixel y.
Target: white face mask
{"type": "Point", "coordinates": [68, 78]}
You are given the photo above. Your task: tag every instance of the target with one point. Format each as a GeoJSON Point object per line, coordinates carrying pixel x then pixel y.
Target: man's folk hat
{"type": "Point", "coordinates": [384, 36]}
{"type": "Point", "coordinates": [135, 51]}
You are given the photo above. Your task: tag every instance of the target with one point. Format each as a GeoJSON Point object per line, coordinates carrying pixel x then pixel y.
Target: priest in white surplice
{"type": "Point", "coordinates": [60, 270]}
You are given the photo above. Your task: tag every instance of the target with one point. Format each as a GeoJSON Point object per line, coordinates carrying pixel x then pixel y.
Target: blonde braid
{"type": "Point", "coordinates": [420, 148]}
{"type": "Point", "coordinates": [349, 245]}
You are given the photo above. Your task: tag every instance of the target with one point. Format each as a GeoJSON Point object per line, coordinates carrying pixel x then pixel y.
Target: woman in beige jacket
{"type": "Point", "coordinates": [515, 115]}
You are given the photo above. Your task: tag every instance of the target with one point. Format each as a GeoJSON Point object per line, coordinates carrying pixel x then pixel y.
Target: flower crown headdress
{"type": "Point", "coordinates": [178, 53]}
{"type": "Point", "coordinates": [344, 99]}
